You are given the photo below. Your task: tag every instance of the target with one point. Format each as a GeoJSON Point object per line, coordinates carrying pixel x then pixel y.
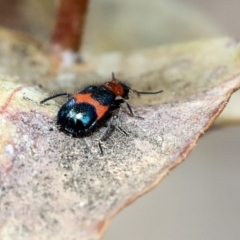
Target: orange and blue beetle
{"type": "Point", "coordinates": [83, 110]}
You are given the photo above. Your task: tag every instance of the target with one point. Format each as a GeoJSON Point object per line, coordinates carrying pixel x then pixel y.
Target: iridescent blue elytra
{"type": "Point", "coordinates": [76, 119]}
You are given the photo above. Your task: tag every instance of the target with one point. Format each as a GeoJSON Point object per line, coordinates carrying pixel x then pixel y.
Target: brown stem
{"type": "Point", "coordinates": [68, 30]}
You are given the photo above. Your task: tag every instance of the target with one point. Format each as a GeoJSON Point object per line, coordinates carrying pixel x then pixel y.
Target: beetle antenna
{"type": "Point", "coordinates": [135, 91]}
{"type": "Point", "coordinates": [139, 93]}
{"type": "Point", "coordinates": [113, 77]}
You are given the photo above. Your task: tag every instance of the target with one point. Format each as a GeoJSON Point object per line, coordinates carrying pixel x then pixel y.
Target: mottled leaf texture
{"type": "Point", "coordinates": [54, 186]}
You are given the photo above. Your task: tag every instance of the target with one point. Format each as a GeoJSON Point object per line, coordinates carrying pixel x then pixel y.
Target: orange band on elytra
{"type": "Point", "coordinates": [87, 98]}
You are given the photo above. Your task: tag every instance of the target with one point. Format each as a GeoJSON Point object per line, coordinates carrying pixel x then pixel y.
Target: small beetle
{"type": "Point", "coordinates": [84, 109]}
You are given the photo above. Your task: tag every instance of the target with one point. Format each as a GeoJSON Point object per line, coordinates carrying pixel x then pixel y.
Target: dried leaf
{"type": "Point", "coordinates": [53, 186]}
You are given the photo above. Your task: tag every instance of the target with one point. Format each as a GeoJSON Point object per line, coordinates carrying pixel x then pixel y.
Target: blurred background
{"type": "Point", "coordinates": [200, 198]}
{"type": "Point", "coordinates": [114, 25]}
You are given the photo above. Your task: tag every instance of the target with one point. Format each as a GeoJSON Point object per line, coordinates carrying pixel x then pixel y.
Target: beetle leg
{"type": "Point", "coordinates": [118, 102]}
{"type": "Point", "coordinates": [119, 122]}
{"type": "Point", "coordinates": [105, 133]}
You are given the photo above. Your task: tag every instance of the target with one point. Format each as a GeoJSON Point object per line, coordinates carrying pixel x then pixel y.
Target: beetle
{"type": "Point", "coordinates": [84, 109]}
